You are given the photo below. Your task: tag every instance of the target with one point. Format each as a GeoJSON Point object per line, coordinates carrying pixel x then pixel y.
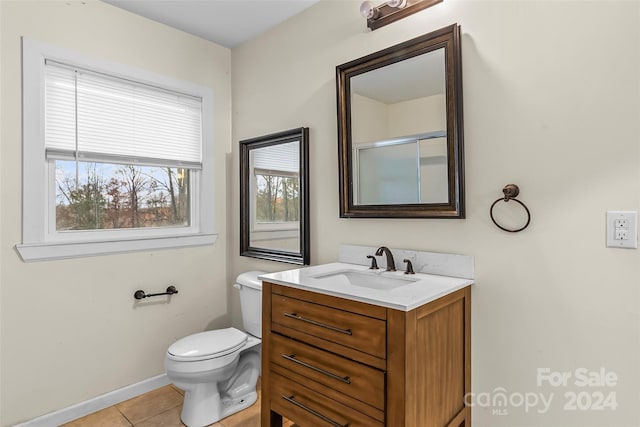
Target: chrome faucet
{"type": "Point", "coordinates": [391, 265]}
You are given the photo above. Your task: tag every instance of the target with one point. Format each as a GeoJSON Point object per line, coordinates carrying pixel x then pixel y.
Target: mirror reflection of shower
{"type": "Point", "coordinates": [403, 170]}
{"type": "Point", "coordinates": [400, 130]}
{"type": "Point", "coordinates": [387, 104]}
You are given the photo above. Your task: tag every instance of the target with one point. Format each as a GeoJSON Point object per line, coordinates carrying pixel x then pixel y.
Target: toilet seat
{"type": "Point", "coordinates": [207, 345]}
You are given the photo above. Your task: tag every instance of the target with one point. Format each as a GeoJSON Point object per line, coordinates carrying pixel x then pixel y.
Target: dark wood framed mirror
{"type": "Point", "coordinates": [400, 130]}
{"type": "Point", "coordinates": [274, 197]}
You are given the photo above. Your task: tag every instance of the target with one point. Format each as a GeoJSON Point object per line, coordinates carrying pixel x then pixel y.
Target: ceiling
{"type": "Point", "coordinates": [413, 78]}
{"type": "Point", "coordinates": [228, 23]}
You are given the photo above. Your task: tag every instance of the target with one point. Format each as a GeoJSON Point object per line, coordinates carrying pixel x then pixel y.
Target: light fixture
{"type": "Point", "coordinates": [368, 10]}
{"type": "Point", "coordinates": [391, 11]}
{"type": "Point", "coordinates": [399, 4]}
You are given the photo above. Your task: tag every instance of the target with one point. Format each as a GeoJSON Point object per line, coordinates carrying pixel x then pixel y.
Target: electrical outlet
{"type": "Point", "coordinates": [622, 229]}
{"type": "Point", "coordinates": [622, 223]}
{"type": "Point", "coordinates": [621, 234]}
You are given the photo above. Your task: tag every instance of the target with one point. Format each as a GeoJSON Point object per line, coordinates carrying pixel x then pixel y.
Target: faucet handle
{"type": "Point", "coordinates": [374, 263]}
{"type": "Point", "coordinates": [409, 267]}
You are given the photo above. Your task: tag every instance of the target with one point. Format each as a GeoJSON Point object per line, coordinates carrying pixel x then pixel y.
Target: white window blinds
{"type": "Point", "coordinates": [277, 158]}
{"type": "Point", "coordinates": [95, 117]}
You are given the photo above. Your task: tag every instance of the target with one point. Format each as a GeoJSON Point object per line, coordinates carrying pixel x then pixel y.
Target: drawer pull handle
{"type": "Point", "coordinates": [313, 412]}
{"type": "Point", "coordinates": [292, 358]}
{"type": "Point", "coordinates": [316, 323]}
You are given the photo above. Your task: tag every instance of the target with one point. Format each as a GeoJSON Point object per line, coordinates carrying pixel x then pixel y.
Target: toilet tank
{"type": "Point", "coordinates": [251, 301]}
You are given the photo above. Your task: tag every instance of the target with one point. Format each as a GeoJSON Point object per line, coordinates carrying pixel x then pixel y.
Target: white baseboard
{"type": "Point", "coordinates": [90, 406]}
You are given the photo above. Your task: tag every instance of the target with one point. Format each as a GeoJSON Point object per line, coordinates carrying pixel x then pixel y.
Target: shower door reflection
{"type": "Point", "coordinates": [407, 170]}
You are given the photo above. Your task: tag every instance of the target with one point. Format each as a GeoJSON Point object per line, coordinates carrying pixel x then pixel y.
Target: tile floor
{"type": "Point", "coordinates": [161, 408]}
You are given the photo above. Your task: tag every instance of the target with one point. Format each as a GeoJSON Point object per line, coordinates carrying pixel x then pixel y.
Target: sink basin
{"type": "Point", "coordinates": [366, 279]}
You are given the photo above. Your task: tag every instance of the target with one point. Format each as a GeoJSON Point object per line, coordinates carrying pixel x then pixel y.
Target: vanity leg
{"type": "Point", "coordinates": [268, 418]}
{"type": "Point", "coordinates": [276, 419]}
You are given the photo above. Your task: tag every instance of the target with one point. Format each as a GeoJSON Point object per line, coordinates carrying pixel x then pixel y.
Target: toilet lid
{"type": "Point", "coordinates": [208, 345]}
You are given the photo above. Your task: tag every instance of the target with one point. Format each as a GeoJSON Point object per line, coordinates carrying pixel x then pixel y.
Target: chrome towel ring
{"type": "Point", "coordinates": [510, 191]}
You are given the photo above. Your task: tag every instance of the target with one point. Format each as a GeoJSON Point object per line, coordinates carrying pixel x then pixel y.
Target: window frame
{"type": "Point", "coordinates": [37, 241]}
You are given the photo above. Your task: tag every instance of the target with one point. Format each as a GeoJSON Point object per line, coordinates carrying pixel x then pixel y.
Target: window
{"type": "Point", "coordinates": [115, 159]}
{"type": "Point", "coordinates": [105, 196]}
{"type": "Point", "coordinates": [276, 187]}
{"type": "Point", "coordinates": [277, 198]}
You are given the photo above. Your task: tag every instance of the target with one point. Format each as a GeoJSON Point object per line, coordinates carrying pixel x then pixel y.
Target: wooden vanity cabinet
{"type": "Point", "coordinates": [329, 361]}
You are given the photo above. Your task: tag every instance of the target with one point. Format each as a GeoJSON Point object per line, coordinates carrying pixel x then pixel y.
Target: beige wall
{"type": "Point", "coordinates": [70, 329]}
{"type": "Point", "coordinates": [551, 103]}
{"type": "Point", "coordinates": [418, 115]}
{"type": "Point", "coordinates": [376, 120]}
{"type": "Point", "coordinates": [370, 123]}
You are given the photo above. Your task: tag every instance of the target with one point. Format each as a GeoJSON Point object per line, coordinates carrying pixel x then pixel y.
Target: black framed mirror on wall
{"type": "Point", "coordinates": [274, 197]}
{"type": "Point", "coordinates": [400, 130]}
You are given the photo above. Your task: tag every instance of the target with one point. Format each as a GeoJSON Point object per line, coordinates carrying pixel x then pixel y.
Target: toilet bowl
{"type": "Point", "coordinates": [218, 370]}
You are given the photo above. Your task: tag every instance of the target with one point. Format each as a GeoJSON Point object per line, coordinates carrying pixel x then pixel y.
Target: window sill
{"type": "Point", "coordinates": [66, 250]}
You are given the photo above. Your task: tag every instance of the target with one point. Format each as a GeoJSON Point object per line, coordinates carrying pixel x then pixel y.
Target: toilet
{"type": "Point", "coordinates": [218, 370]}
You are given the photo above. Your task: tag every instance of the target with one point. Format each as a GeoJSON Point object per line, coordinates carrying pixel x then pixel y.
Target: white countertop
{"type": "Point", "coordinates": [426, 288]}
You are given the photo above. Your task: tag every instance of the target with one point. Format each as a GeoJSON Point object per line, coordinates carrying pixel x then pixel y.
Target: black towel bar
{"type": "Point", "coordinates": [139, 294]}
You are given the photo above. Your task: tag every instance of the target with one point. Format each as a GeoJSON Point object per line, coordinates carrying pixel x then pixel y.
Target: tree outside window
{"type": "Point", "coordinates": [98, 196]}
{"type": "Point", "coordinates": [277, 197]}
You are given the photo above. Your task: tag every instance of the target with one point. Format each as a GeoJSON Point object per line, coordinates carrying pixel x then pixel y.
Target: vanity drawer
{"type": "Point", "coordinates": [338, 373]}
{"type": "Point", "coordinates": [305, 407]}
{"type": "Point", "coordinates": [352, 330]}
